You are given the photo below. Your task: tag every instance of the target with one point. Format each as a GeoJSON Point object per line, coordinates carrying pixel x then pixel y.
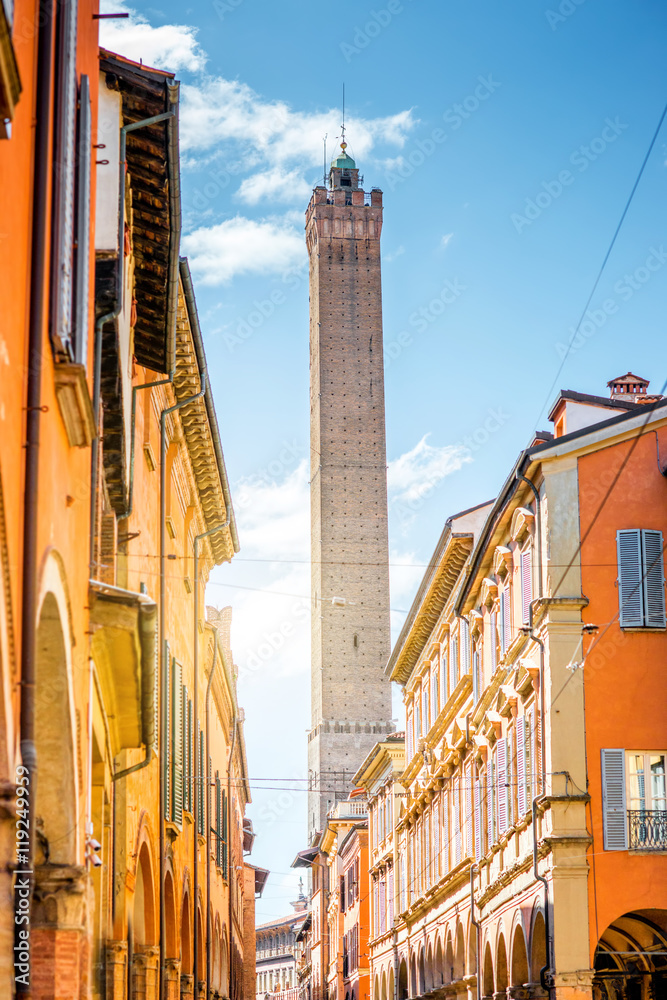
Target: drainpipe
{"type": "Point", "coordinates": [109, 316]}
{"type": "Point", "coordinates": [37, 321]}
{"type": "Point", "coordinates": [478, 928]}
{"type": "Point", "coordinates": [200, 777]}
{"type": "Point", "coordinates": [164, 665]}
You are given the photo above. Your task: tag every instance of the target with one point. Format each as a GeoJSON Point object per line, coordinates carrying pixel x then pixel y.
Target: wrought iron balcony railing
{"type": "Point", "coordinates": [647, 829]}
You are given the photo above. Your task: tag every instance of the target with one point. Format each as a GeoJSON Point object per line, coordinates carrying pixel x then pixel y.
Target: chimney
{"type": "Point", "coordinates": [629, 388]}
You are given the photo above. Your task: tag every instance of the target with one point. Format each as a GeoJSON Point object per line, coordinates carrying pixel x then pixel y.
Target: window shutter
{"type": "Point", "coordinates": [434, 695]}
{"type": "Point", "coordinates": [186, 751]}
{"type": "Point", "coordinates": [177, 737]}
{"type": "Point", "coordinates": [654, 580]}
{"type": "Point", "coordinates": [490, 802]}
{"type": "Point", "coordinates": [225, 837]}
{"type": "Point", "coordinates": [468, 816]}
{"type": "Point", "coordinates": [443, 670]}
{"type": "Point", "coordinates": [493, 651]}
{"type": "Point", "coordinates": [64, 173]}
{"type": "Point", "coordinates": [404, 884]}
{"type": "Point", "coordinates": [410, 722]}
{"type": "Point", "coordinates": [191, 756]}
{"type": "Point", "coordinates": [505, 619]}
{"type": "Point", "coordinates": [436, 839]}
{"type": "Point", "coordinates": [425, 712]}
{"type": "Point", "coordinates": [478, 819]}
{"type": "Point", "coordinates": [84, 156]}
{"type": "Point", "coordinates": [475, 675]}
{"type": "Point", "coordinates": [199, 790]}
{"type": "Point", "coordinates": [465, 646]}
{"type": "Point", "coordinates": [501, 784]}
{"type": "Point", "coordinates": [453, 664]}
{"type": "Point", "coordinates": [383, 900]}
{"type": "Point", "coordinates": [218, 821]}
{"type": "Point", "coordinates": [390, 897]}
{"type": "Point", "coordinates": [630, 591]}
{"type": "Point", "coordinates": [457, 821]}
{"type": "Point", "coordinates": [614, 815]}
{"type": "Point", "coordinates": [427, 849]}
{"type": "Point", "coordinates": [526, 584]}
{"type": "Point", "coordinates": [444, 837]}
{"type": "Point", "coordinates": [166, 777]}
{"type": "Point", "coordinates": [521, 764]}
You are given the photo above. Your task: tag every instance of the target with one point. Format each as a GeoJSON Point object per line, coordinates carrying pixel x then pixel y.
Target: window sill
{"type": "Point", "coordinates": [74, 403]}
{"type": "Point", "coordinates": [643, 628]}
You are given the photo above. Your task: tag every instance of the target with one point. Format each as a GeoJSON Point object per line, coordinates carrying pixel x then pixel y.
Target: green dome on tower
{"type": "Point", "coordinates": [343, 161]}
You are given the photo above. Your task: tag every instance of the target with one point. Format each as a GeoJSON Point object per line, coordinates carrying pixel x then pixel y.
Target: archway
{"type": "Point", "coordinates": [171, 946]}
{"type": "Point", "coordinates": [428, 972]}
{"type": "Point", "coordinates": [438, 967]}
{"type": "Point", "coordinates": [224, 965]}
{"type": "Point", "coordinates": [144, 901]}
{"type": "Point", "coordinates": [460, 956]}
{"type": "Point", "coordinates": [421, 983]}
{"type": "Point", "coordinates": [449, 959]}
{"type": "Point", "coordinates": [631, 957]}
{"type": "Point", "coordinates": [201, 948]}
{"type": "Point", "coordinates": [519, 968]}
{"type": "Point", "coordinates": [472, 950]}
{"type": "Point", "coordinates": [538, 949]}
{"type": "Point", "coordinates": [414, 990]}
{"type": "Point", "coordinates": [186, 936]}
{"type": "Point", "coordinates": [376, 989]}
{"type": "Point", "coordinates": [390, 987]}
{"type": "Point", "coordinates": [488, 987]}
{"type": "Point", "coordinates": [383, 988]}
{"type": "Point", "coordinates": [55, 798]}
{"type": "Point", "coordinates": [501, 965]}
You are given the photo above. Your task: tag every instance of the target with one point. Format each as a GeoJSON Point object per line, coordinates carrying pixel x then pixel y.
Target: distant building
{"type": "Point", "coordinates": [275, 960]}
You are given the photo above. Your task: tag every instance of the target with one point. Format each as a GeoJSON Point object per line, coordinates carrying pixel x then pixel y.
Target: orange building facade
{"type": "Point", "coordinates": [122, 756]}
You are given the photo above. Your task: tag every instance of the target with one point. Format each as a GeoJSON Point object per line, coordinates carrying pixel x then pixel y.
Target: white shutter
{"type": "Point", "coordinates": [437, 846]}
{"type": "Point", "coordinates": [630, 591]}
{"type": "Point", "coordinates": [654, 580]}
{"type": "Point", "coordinates": [468, 816]}
{"type": "Point", "coordinates": [465, 647]}
{"type": "Point", "coordinates": [64, 173]}
{"type": "Point", "coordinates": [453, 664]}
{"type": "Point", "coordinates": [443, 671]}
{"type": "Point", "coordinates": [506, 621]}
{"type": "Point", "coordinates": [521, 763]}
{"type": "Point", "coordinates": [501, 784]}
{"type": "Point", "coordinates": [475, 675]}
{"type": "Point", "coordinates": [84, 153]}
{"type": "Point", "coordinates": [434, 695]}
{"type": "Point", "coordinates": [383, 899]}
{"type": "Point", "coordinates": [166, 735]}
{"type": "Point", "coordinates": [390, 896]}
{"type": "Point", "coordinates": [457, 821]}
{"type": "Point", "coordinates": [526, 584]}
{"type": "Point", "coordinates": [404, 883]}
{"type": "Point", "coordinates": [410, 739]}
{"type": "Point", "coordinates": [478, 819]}
{"type": "Point", "coordinates": [490, 802]}
{"type": "Point", "coordinates": [444, 837]}
{"type": "Point", "coordinates": [614, 814]}
{"type": "Point", "coordinates": [427, 849]}
{"type": "Point", "coordinates": [494, 642]}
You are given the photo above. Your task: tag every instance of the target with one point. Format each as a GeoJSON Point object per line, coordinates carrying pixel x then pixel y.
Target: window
{"type": "Point", "coordinates": [173, 777]}
{"type": "Point", "coordinates": [526, 584]}
{"type": "Point", "coordinates": [435, 695]}
{"type": "Point", "coordinates": [500, 755]}
{"type": "Point", "coordinates": [425, 708]}
{"type": "Point", "coordinates": [220, 829]}
{"type": "Point", "coordinates": [641, 581]}
{"type": "Point", "coordinates": [453, 663]}
{"type": "Point", "coordinates": [409, 726]}
{"type": "Point", "coordinates": [478, 817]}
{"type": "Point", "coordinates": [465, 646]}
{"type": "Point", "coordinates": [505, 618]}
{"type": "Point", "coordinates": [634, 803]}
{"type": "Point", "coordinates": [443, 669]}
{"type": "Point", "coordinates": [476, 673]}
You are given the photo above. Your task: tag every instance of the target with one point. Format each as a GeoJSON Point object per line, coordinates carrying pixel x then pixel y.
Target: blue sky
{"type": "Point", "coordinates": [506, 138]}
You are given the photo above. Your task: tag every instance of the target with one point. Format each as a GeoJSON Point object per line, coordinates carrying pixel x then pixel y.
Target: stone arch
{"type": "Point", "coordinates": [403, 988]}
{"type": "Point", "coordinates": [143, 912]}
{"type": "Point", "coordinates": [56, 819]}
{"type": "Point", "coordinates": [383, 987]}
{"type": "Point", "coordinates": [390, 985]}
{"type": "Point", "coordinates": [201, 946]}
{"type": "Point", "coordinates": [224, 964]}
{"type": "Point", "coordinates": [631, 950]}
{"type": "Point", "coordinates": [460, 954]}
{"type": "Point", "coordinates": [519, 974]}
{"type": "Point", "coordinates": [472, 949]}
{"type": "Point", "coordinates": [538, 947]}
{"type": "Point", "coordinates": [171, 942]}
{"type": "Point", "coordinates": [501, 964]}
{"type": "Point", "coordinates": [376, 988]}
{"type": "Point", "coordinates": [421, 970]}
{"type": "Point", "coordinates": [487, 981]}
{"type": "Point", "coordinates": [216, 954]}
{"type": "Point", "coordinates": [414, 986]}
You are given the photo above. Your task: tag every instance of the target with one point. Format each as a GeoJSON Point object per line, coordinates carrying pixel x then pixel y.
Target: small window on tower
{"type": "Point", "coordinates": [355, 640]}
{"type": "Point", "coordinates": [345, 182]}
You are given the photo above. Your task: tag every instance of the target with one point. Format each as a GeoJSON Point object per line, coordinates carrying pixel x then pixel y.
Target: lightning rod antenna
{"type": "Point", "coordinates": [343, 125]}
{"type": "Point", "coordinates": [325, 158]}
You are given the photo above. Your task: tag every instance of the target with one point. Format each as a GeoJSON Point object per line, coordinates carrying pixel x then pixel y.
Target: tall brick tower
{"type": "Point", "coordinates": [350, 695]}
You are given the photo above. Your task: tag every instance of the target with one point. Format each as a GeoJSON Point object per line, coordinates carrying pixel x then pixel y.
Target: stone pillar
{"type": "Point", "coordinates": [145, 972]}
{"type": "Point", "coordinates": [573, 985]}
{"type": "Point", "coordinates": [201, 990]}
{"type": "Point", "coordinates": [187, 986]}
{"type": "Point", "coordinates": [171, 979]}
{"type": "Point", "coordinates": [116, 978]}
{"type": "Point", "coordinates": [59, 935]}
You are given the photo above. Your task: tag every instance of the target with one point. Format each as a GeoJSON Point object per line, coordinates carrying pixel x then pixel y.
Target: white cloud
{"type": "Point", "coordinates": [444, 242]}
{"type": "Point", "coordinates": [276, 184]}
{"type": "Point", "coordinates": [393, 254]}
{"type": "Point", "coordinates": [170, 47]}
{"type": "Point", "coordinates": [412, 476]}
{"type": "Point", "coordinates": [243, 246]}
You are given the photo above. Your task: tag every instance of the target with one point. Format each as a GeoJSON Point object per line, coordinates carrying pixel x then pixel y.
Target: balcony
{"type": "Point", "coordinates": [349, 809]}
{"type": "Point", "coordinates": [647, 829]}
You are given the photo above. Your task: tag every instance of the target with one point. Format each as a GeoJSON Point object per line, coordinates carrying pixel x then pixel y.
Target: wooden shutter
{"type": "Point", "coordinates": [191, 756]}
{"type": "Point", "coordinates": [478, 818]}
{"type": "Point", "coordinates": [404, 883]}
{"type": "Point", "coordinates": [465, 647]}
{"type": "Point", "coordinates": [493, 651]}
{"type": "Point", "coordinates": [390, 896]}
{"type": "Point", "coordinates": [614, 814]}
{"type": "Point", "coordinates": [453, 664]}
{"type": "Point", "coordinates": [443, 670]}
{"type": "Point", "coordinates": [475, 675]}
{"type": "Point", "coordinates": [521, 764]}
{"type": "Point", "coordinates": [382, 900]}
{"type": "Point", "coordinates": [654, 580]}
{"type": "Point", "coordinates": [501, 784]}
{"type": "Point", "coordinates": [526, 584]}
{"type": "Point", "coordinates": [166, 775]}
{"type": "Point", "coordinates": [456, 806]}
{"type": "Point", "coordinates": [64, 129]}
{"type": "Point", "coordinates": [186, 751]}
{"type": "Point", "coordinates": [427, 848]}
{"type": "Point", "coordinates": [202, 783]}
{"type": "Point", "coordinates": [445, 833]}
{"type": "Point", "coordinates": [490, 802]}
{"type": "Point", "coordinates": [468, 816]}
{"type": "Point", "coordinates": [410, 724]}
{"type": "Point", "coordinates": [177, 741]}
{"type": "Point", "coordinates": [435, 701]}
{"type": "Point", "coordinates": [218, 822]}
{"type": "Point", "coordinates": [630, 590]}
{"type": "Point", "coordinates": [505, 619]}
{"type": "Point", "coordinates": [225, 837]}
{"type": "Point", "coordinates": [83, 224]}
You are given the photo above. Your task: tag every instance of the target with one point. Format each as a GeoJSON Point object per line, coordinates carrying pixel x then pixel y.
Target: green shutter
{"type": "Point", "coordinates": [630, 591]}
{"type": "Point", "coordinates": [218, 821]}
{"type": "Point", "coordinates": [654, 579]}
{"type": "Point", "coordinates": [200, 790]}
{"type": "Point", "coordinates": [225, 807]}
{"type": "Point", "coordinates": [166, 735]}
{"type": "Point", "coordinates": [177, 741]}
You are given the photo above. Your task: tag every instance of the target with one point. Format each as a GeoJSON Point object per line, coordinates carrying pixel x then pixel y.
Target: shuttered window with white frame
{"type": "Point", "coordinates": [468, 812]}
{"type": "Point", "coordinates": [83, 226]}
{"type": "Point", "coordinates": [614, 812]}
{"type": "Point", "coordinates": [641, 583]}
{"type": "Point", "coordinates": [478, 817]}
{"type": "Point", "coordinates": [521, 764]}
{"type": "Point", "coordinates": [501, 784]}
{"type": "Point", "coordinates": [526, 583]}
